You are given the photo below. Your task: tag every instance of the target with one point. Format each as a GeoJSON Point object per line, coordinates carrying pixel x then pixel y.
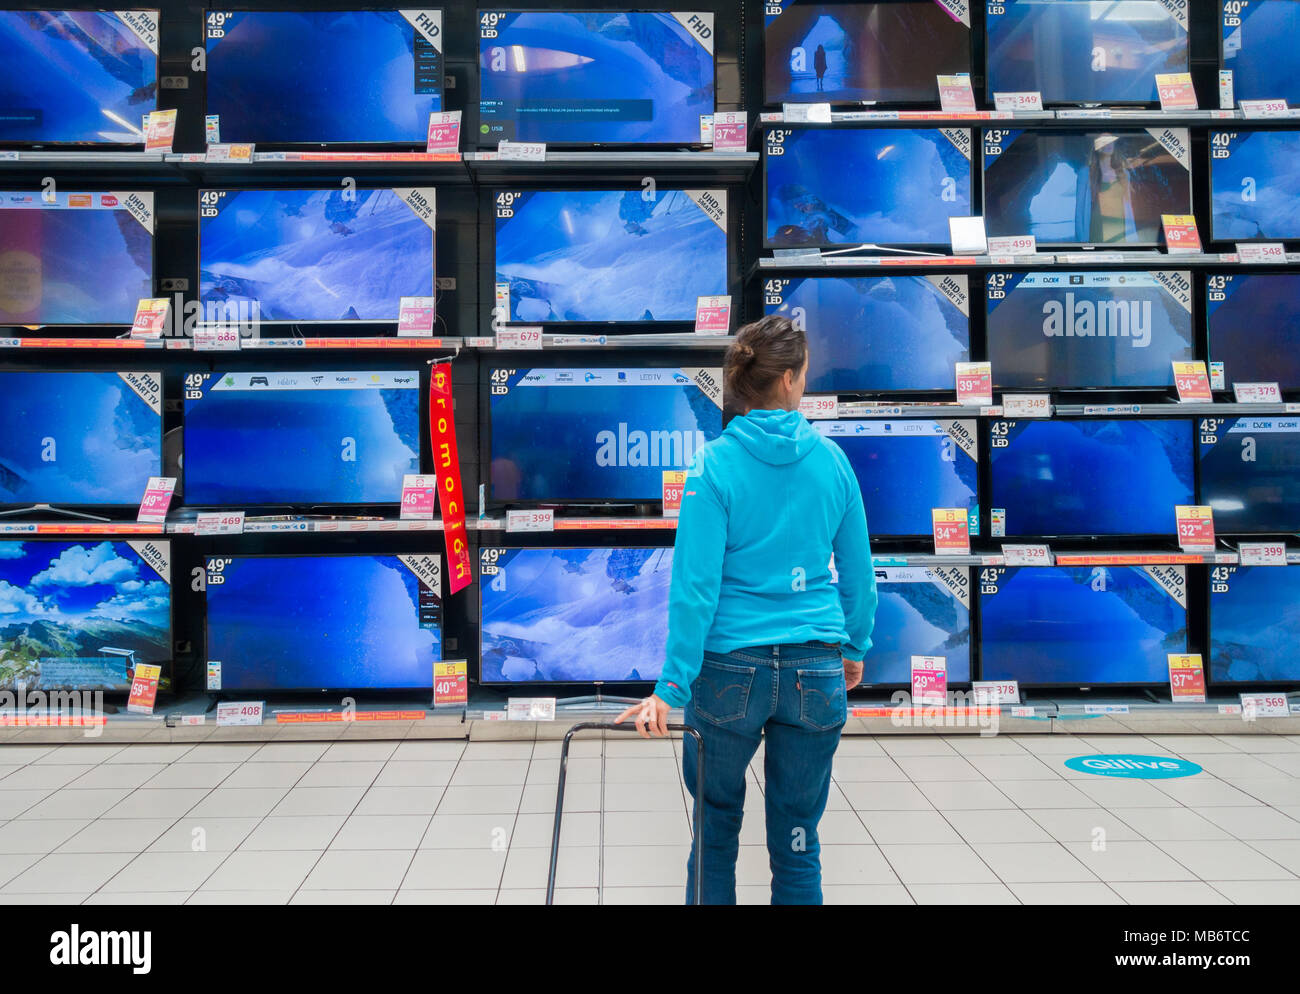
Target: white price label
{"type": "Point", "coordinates": [1261, 253]}
{"type": "Point", "coordinates": [1023, 100]}
{"type": "Point", "coordinates": [1269, 705]}
{"type": "Point", "coordinates": [1027, 555]}
{"type": "Point", "coordinates": [1256, 109]}
{"type": "Point", "coordinates": [967, 236]}
{"type": "Point", "coordinates": [508, 151]}
{"type": "Point", "coordinates": [240, 712]}
{"type": "Point", "coordinates": [530, 708]}
{"type": "Point", "coordinates": [220, 523]}
{"type": "Point", "coordinates": [216, 339]}
{"type": "Point", "coordinates": [990, 692]}
{"type": "Point", "coordinates": [806, 113]}
{"type": "Point", "coordinates": [1022, 712]}
{"type": "Point", "coordinates": [819, 406]}
{"type": "Point", "coordinates": [530, 521]}
{"type": "Point", "coordinates": [519, 338]}
{"type": "Point", "coordinates": [1262, 553]}
{"type": "Point", "coordinates": [1257, 393]}
{"type": "Point", "coordinates": [1013, 245]}
{"type": "Point", "coordinates": [1026, 405]}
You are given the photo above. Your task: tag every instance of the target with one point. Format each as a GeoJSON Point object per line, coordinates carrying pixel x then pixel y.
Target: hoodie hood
{"type": "Point", "coordinates": [775, 437]}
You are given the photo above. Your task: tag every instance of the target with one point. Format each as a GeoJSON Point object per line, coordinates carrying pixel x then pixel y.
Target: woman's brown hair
{"type": "Point", "coordinates": [758, 358]}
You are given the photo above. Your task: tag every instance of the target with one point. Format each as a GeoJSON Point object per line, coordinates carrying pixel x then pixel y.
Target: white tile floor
{"type": "Point", "coordinates": [918, 820]}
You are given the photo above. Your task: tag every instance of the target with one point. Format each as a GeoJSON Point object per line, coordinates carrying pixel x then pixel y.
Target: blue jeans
{"type": "Point", "coordinates": [793, 694]}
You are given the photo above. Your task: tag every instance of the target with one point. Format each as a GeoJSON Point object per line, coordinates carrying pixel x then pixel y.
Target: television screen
{"type": "Point", "coordinates": [1085, 188]}
{"type": "Point", "coordinates": [1091, 476]}
{"type": "Point", "coordinates": [77, 75]}
{"type": "Point", "coordinates": [79, 438]}
{"type": "Point", "coordinates": [314, 255]}
{"type": "Point", "coordinates": [907, 468]}
{"type": "Point", "coordinates": [1083, 51]}
{"type": "Point", "coordinates": [877, 333]}
{"type": "Point", "coordinates": [594, 77]}
{"type": "Point", "coordinates": [1255, 624]}
{"type": "Point", "coordinates": [300, 438]}
{"type": "Point", "coordinates": [1254, 185]}
{"type": "Point", "coordinates": [82, 615]}
{"type": "Point", "coordinates": [887, 52]}
{"type": "Point", "coordinates": [339, 622]}
{"type": "Point", "coordinates": [922, 611]}
{"type": "Point", "coordinates": [903, 186]}
{"type": "Point", "coordinates": [1250, 473]}
{"type": "Point", "coordinates": [282, 77]}
{"type": "Point", "coordinates": [582, 615]}
{"type": "Point", "coordinates": [610, 255]}
{"type": "Point", "coordinates": [1081, 626]}
{"type": "Point", "coordinates": [1257, 45]}
{"type": "Point", "coordinates": [74, 258]}
{"type": "Point", "coordinates": [1254, 327]}
{"type": "Point", "coordinates": [1063, 330]}
{"type": "Point", "coordinates": [598, 434]}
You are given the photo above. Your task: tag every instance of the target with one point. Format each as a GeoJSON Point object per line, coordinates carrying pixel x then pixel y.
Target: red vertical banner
{"type": "Point", "coordinates": [446, 462]}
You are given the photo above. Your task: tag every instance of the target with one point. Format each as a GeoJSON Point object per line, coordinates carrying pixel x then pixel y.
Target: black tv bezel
{"type": "Point", "coordinates": [207, 617]}
{"type": "Point", "coordinates": [1241, 478]}
{"type": "Point", "coordinates": [972, 656]}
{"type": "Point", "coordinates": [1209, 637]}
{"type": "Point", "coordinates": [1250, 128]}
{"type": "Point", "coordinates": [1206, 326]}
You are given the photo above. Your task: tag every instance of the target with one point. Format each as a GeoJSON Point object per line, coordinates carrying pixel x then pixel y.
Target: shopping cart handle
{"type": "Point", "coordinates": [629, 726]}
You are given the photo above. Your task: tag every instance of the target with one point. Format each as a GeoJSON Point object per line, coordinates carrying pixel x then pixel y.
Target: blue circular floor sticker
{"type": "Point", "coordinates": [1134, 767]}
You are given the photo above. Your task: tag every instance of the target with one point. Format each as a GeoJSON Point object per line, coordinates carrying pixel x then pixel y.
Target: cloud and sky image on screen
{"type": "Point", "coordinates": [63, 604]}
{"type": "Point", "coordinates": [576, 615]}
{"type": "Point", "coordinates": [916, 616]}
{"type": "Point", "coordinates": [1255, 190]}
{"type": "Point", "coordinates": [1255, 625]}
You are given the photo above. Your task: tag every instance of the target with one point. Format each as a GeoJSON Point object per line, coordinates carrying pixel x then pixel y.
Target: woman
{"type": "Point", "coordinates": [760, 642]}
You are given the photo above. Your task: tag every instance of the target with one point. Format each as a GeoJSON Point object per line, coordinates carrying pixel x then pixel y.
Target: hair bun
{"type": "Point", "coordinates": [744, 353]}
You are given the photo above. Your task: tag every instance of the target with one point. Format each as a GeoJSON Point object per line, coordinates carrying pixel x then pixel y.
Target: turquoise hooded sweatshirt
{"type": "Point", "coordinates": [763, 509]}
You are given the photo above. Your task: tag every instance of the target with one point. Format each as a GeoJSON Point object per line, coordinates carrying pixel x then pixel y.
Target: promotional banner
{"type": "Point", "coordinates": [446, 460]}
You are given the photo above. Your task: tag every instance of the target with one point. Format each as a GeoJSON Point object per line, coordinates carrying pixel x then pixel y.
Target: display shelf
{"type": "Point", "coordinates": [1142, 558]}
{"type": "Point", "coordinates": [834, 259]}
{"type": "Point", "coordinates": [305, 526]}
{"type": "Point", "coordinates": [124, 159]}
{"type": "Point", "coordinates": [1148, 117]}
{"type": "Point", "coordinates": [684, 340]}
{"type": "Point", "coordinates": [918, 409]}
{"type": "Point", "coordinates": [1172, 408]}
{"type": "Point", "coordinates": [930, 559]}
{"type": "Point", "coordinates": [132, 344]}
{"type": "Point", "coordinates": [493, 524]}
{"type": "Point", "coordinates": [78, 528]}
{"type": "Point", "coordinates": [721, 167]}
{"type": "Point", "coordinates": [439, 167]}
{"type": "Point", "coordinates": [936, 118]}
{"type": "Point", "coordinates": [392, 344]}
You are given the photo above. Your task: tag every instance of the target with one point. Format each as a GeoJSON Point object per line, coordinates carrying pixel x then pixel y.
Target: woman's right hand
{"type": "Point", "coordinates": [852, 673]}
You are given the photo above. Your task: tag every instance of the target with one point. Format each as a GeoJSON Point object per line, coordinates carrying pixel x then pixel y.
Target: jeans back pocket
{"type": "Point", "coordinates": [823, 700]}
{"type": "Point", "coordinates": [721, 691]}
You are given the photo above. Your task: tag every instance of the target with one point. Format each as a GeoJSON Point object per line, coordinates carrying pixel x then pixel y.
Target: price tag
{"type": "Point", "coordinates": [1253, 110]}
{"type": "Point", "coordinates": [1181, 236]}
{"type": "Point", "coordinates": [955, 94]}
{"type": "Point", "coordinates": [1192, 381]}
{"type": "Point", "coordinates": [225, 152]}
{"type": "Point", "coordinates": [1022, 712]}
{"type": "Point", "coordinates": [712, 315]}
{"type": "Point", "coordinates": [218, 339]}
{"type": "Point", "coordinates": [212, 129]}
{"type": "Point", "coordinates": [1176, 91]}
{"type": "Point", "coordinates": [530, 708]}
{"type": "Point", "coordinates": [995, 692]}
{"type": "Point", "coordinates": [1013, 245]}
{"type": "Point", "coordinates": [1217, 377]}
{"type": "Point", "coordinates": [450, 683]}
{"type": "Point", "coordinates": [929, 680]}
{"type": "Point", "coordinates": [220, 523]}
{"type": "Point", "coordinates": [951, 531]}
{"type": "Point", "coordinates": [674, 484]}
{"type": "Point", "coordinates": [214, 674]}
{"type": "Point", "coordinates": [444, 132]}
{"type": "Point", "coordinates": [1026, 405]}
{"type": "Point", "coordinates": [1027, 555]}
{"type": "Point", "coordinates": [1195, 527]}
{"type": "Point", "coordinates": [531, 521]}
{"type": "Point", "coordinates": [415, 317]}
{"type": "Point", "coordinates": [1268, 705]}
{"type": "Point", "coordinates": [144, 688]}
{"type": "Point", "coordinates": [240, 712]}
{"type": "Point", "coordinates": [1262, 553]}
{"type": "Point", "coordinates": [519, 338]}
{"type": "Point", "coordinates": [1257, 393]}
{"type": "Point", "coordinates": [1023, 100]}
{"type": "Point", "coordinates": [1261, 253]}
{"type": "Point", "coordinates": [997, 522]}
{"type": "Point", "coordinates": [806, 113]}
{"type": "Point", "coordinates": [159, 129]}
{"type": "Point", "coordinates": [974, 383]}
{"type": "Point", "coordinates": [730, 131]}
{"type": "Point", "coordinates": [508, 151]}
{"type": "Point", "coordinates": [419, 495]}
{"type": "Point", "coordinates": [967, 236]}
{"type": "Point", "coordinates": [150, 317]}
{"type": "Point", "coordinates": [157, 499]}
{"type": "Point", "coordinates": [1186, 678]}
{"type": "Point", "coordinates": [819, 406]}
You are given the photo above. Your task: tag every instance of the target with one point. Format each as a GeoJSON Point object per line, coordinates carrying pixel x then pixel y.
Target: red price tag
{"type": "Point", "coordinates": [419, 495]}
{"type": "Point", "coordinates": [1026, 555]}
{"type": "Point", "coordinates": [995, 692]}
{"type": "Point", "coordinates": [974, 383]}
{"type": "Point", "coordinates": [444, 132]}
{"type": "Point", "coordinates": [955, 94]}
{"type": "Point", "coordinates": [144, 689]}
{"type": "Point", "coordinates": [530, 521]}
{"type": "Point", "coordinates": [415, 316]}
{"type": "Point", "coordinates": [713, 315]}
{"type": "Point", "coordinates": [1186, 678]}
{"type": "Point", "coordinates": [1180, 233]}
{"type": "Point", "coordinates": [1261, 253]}
{"type": "Point", "coordinates": [819, 406]}
{"type": "Point", "coordinates": [1269, 705]}
{"type": "Point", "coordinates": [929, 680]}
{"type": "Point", "coordinates": [674, 484]}
{"type": "Point", "coordinates": [730, 131]}
{"type": "Point", "coordinates": [1192, 382]}
{"type": "Point", "coordinates": [450, 683]}
{"type": "Point", "coordinates": [1262, 553]}
{"type": "Point", "coordinates": [1013, 245]}
{"type": "Point", "coordinates": [220, 523]}
{"type": "Point", "coordinates": [1253, 109]}
{"type": "Point", "coordinates": [951, 531]}
{"type": "Point", "coordinates": [157, 499]}
{"type": "Point", "coordinates": [519, 338]}
{"type": "Point", "coordinates": [159, 129]}
{"type": "Point", "coordinates": [1176, 91]}
{"type": "Point", "coordinates": [1195, 527]}
{"type": "Point", "coordinates": [150, 317]}
{"type": "Point", "coordinates": [1024, 100]}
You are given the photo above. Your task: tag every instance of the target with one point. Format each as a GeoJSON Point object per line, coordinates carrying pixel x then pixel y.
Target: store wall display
{"type": "Point", "coordinates": [1254, 624]}
{"type": "Point", "coordinates": [1250, 473]}
{"type": "Point", "coordinates": [631, 255]}
{"type": "Point", "coordinates": [1254, 327]}
{"type": "Point", "coordinates": [887, 52]}
{"type": "Point", "coordinates": [594, 77]}
{"type": "Point", "coordinates": [877, 333]}
{"type": "Point", "coordinates": [1256, 42]}
{"type": "Point", "coordinates": [349, 76]}
{"type": "Point", "coordinates": [903, 186]}
{"type": "Point", "coordinates": [77, 76]}
{"type": "Point", "coordinates": [323, 622]}
{"type": "Point", "coordinates": [79, 438]}
{"type": "Point", "coordinates": [1079, 51]}
{"type": "Point", "coordinates": [922, 611]}
{"type": "Point", "coordinates": [1086, 477]}
{"type": "Point", "coordinates": [1254, 185]}
{"type": "Point", "coordinates": [1081, 626]}
{"type": "Point", "coordinates": [82, 615]}
{"type": "Point", "coordinates": [1085, 187]}
{"type": "Point", "coordinates": [1057, 330]}
{"type": "Point", "coordinates": [597, 434]}
{"type": "Point", "coordinates": [907, 467]}
{"type": "Point", "coordinates": [301, 438]}
{"type": "Point", "coordinates": [573, 615]}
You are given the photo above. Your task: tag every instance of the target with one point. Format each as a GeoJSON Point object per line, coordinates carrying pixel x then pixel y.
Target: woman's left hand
{"type": "Point", "coordinates": [652, 714]}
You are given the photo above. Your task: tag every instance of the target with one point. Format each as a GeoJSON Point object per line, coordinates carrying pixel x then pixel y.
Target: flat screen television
{"type": "Point", "coordinates": [854, 186]}
{"type": "Point", "coordinates": [299, 438]}
{"type": "Point", "coordinates": [82, 615]}
{"type": "Point", "coordinates": [1069, 330]}
{"type": "Point", "coordinates": [1255, 624]}
{"type": "Point", "coordinates": [877, 333]}
{"type": "Point", "coordinates": [908, 467]}
{"type": "Point", "coordinates": [1081, 626]}
{"type": "Point", "coordinates": [1091, 476]}
{"type": "Point", "coordinates": [347, 77]}
{"type": "Point", "coordinates": [599, 256]}
{"type": "Point", "coordinates": [324, 622]}
{"type": "Point", "coordinates": [1085, 187]}
{"type": "Point", "coordinates": [570, 77]}
{"type": "Point", "coordinates": [1250, 473]}
{"type": "Point", "coordinates": [922, 611]}
{"type": "Point", "coordinates": [1256, 42]}
{"type": "Point", "coordinates": [1254, 185]}
{"type": "Point", "coordinates": [77, 76]}
{"type": "Point", "coordinates": [74, 258]}
{"type": "Point", "coordinates": [1084, 51]}
{"type": "Point", "coordinates": [597, 435]}
{"type": "Point", "coordinates": [1253, 322]}
{"type": "Point", "coordinates": [79, 438]}
{"type": "Point", "coordinates": [888, 52]}
{"type": "Point", "coordinates": [573, 615]}
{"type": "Point", "coordinates": [324, 256]}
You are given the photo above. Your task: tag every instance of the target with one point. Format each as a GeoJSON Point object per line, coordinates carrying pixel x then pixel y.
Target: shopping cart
{"type": "Point", "coordinates": [697, 813]}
